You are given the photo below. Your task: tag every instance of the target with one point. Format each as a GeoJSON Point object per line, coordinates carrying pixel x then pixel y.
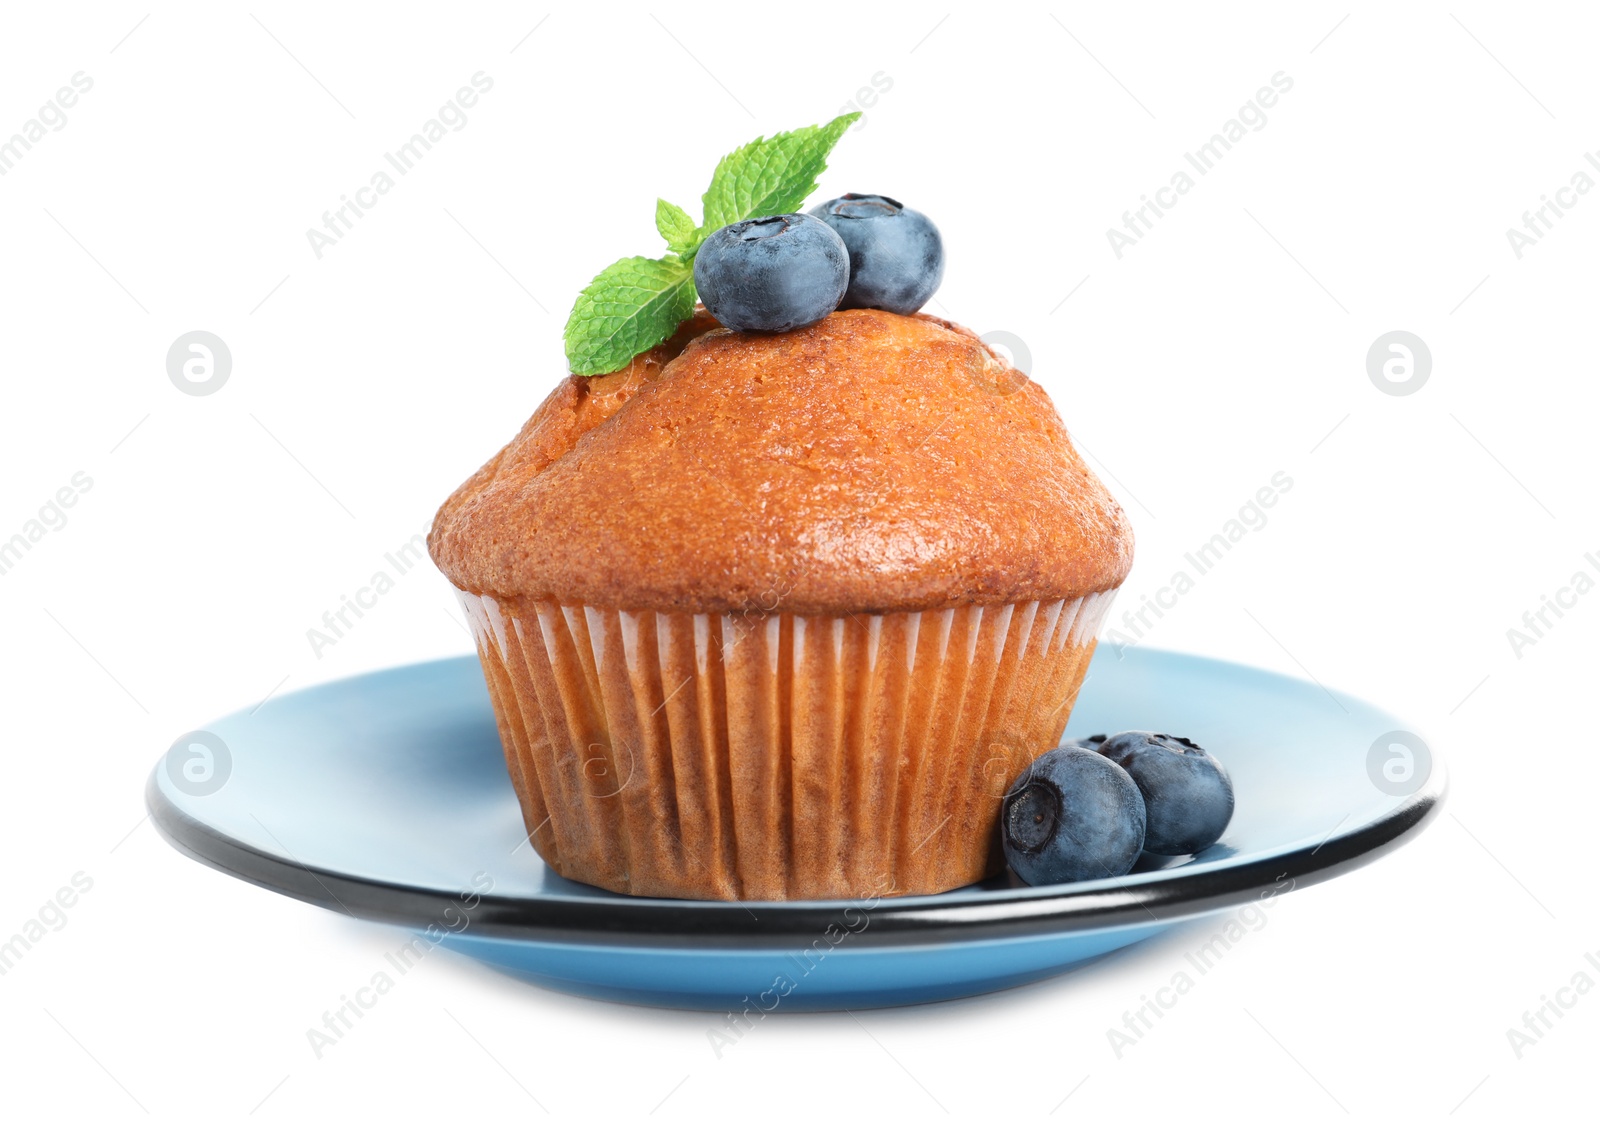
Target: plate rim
{"type": "Point", "coordinates": [1159, 896]}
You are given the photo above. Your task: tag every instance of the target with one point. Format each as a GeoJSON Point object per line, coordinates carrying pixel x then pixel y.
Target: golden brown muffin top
{"type": "Point", "coordinates": [871, 462]}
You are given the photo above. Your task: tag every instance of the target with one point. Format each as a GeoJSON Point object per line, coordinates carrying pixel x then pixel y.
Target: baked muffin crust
{"type": "Point", "coordinates": [871, 462]}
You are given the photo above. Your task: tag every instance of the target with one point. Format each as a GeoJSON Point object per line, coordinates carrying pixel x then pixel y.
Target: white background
{"type": "Point", "coordinates": [1229, 344]}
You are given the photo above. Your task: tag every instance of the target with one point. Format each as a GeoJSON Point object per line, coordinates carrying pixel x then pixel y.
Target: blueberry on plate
{"type": "Point", "coordinates": [1188, 797]}
{"type": "Point", "coordinates": [772, 274]}
{"type": "Point", "coordinates": [1072, 815]}
{"type": "Point", "coordinates": [896, 255]}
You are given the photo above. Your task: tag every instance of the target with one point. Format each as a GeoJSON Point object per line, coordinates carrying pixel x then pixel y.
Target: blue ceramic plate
{"type": "Point", "coordinates": [385, 796]}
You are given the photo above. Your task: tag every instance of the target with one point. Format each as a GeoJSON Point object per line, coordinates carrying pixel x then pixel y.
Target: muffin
{"type": "Point", "coordinates": [776, 617]}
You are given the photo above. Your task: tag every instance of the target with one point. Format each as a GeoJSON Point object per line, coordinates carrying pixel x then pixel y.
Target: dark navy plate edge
{"type": "Point", "coordinates": [1167, 895]}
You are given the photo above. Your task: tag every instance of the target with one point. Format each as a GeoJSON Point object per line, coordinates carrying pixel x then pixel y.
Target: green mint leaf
{"type": "Point", "coordinates": [636, 303]}
{"type": "Point", "coordinates": [771, 175]}
{"type": "Point", "coordinates": [676, 228]}
{"type": "Point", "coordinates": [632, 305]}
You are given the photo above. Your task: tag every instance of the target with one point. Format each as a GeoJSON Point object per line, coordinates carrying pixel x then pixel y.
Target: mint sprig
{"type": "Point", "coordinates": [678, 228]}
{"type": "Point", "coordinates": [770, 176]}
{"type": "Point", "coordinates": [632, 305]}
{"type": "Point", "coordinates": [636, 303]}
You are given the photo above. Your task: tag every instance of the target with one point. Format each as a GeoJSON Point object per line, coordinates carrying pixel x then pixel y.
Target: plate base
{"type": "Point", "coordinates": [802, 979]}
{"type": "Point", "coordinates": [386, 796]}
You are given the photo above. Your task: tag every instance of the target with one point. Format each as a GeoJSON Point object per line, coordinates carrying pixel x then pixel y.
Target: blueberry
{"type": "Point", "coordinates": [772, 274]}
{"type": "Point", "coordinates": [896, 255]}
{"type": "Point", "coordinates": [1188, 796]}
{"type": "Point", "coordinates": [1072, 815]}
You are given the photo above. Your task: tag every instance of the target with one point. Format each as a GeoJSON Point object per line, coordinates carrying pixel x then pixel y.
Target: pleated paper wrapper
{"type": "Point", "coordinates": [777, 756]}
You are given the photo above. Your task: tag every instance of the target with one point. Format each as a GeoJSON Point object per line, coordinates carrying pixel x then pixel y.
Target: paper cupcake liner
{"type": "Point", "coordinates": [776, 757]}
